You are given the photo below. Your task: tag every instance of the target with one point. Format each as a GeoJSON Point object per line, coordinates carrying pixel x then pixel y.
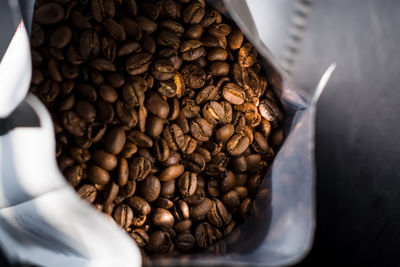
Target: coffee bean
{"type": "Point", "coordinates": [200, 129]}
{"type": "Point", "coordinates": [139, 168]}
{"type": "Point", "coordinates": [49, 13]}
{"type": "Point", "coordinates": [224, 132]}
{"type": "Point", "coordinates": [159, 242]}
{"type": "Point", "coordinates": [237, 144]}
{"type": "Point", "coordinates": [138, 63]}
{"type": "Point", "coordinates": [150, 188]}
{"type": "Point", "coordinates": [245, 207]}
{"type": "Point", "coordinates": [105, 160]}
{"type": "Point", "coordinates": [204, 235]}
{"type": "Point", "coordinates": [247, 55]}
{"type": "Point", "coordinates": [110, 192]}
{"type": "Point", "coordinates": [233, 94]}
{"type": "Point", "coordinates": [165, 203]}
{"type": "Point", "coordinates": [183, 226]}
{"type": "Point", "coordinates": [228, 182]}
{"type": "Point", "coordinates": [259, 144]}
{"type": "Point", "coordinates": [139, 205]}
{"type": "Point", "coordinates": [108, 48]}
{"type": "Point", "coordinates": [73, 174]}
{"type": "Point", "coordinates": [157, 105]}
{"type": "Point", "coordinates": [60, 37]}
{"type": "Point", "coordinates": [174, 136]}
{"type": "Point", "coordinates": [127, 190]}
{"type": "Point", "coordinates": [231, 200]}
{"type": "Point", "coordinates": [194, 32]}
{"type": "Point", "coordinates": [123, 172]}
{"type": "Point", "coordinates": [139, 138]}
{"type": "Point", "coordinates": [123, 215]}
{"type": "Point", "coordinates": [102, 9]}
{"type": "Point", "coordinates": [89, 44]}
{"type": "Point", "coordinates": [87, 192]}
{"type": "Point", "coordinates": [140, 236]}
{"type": "Point", "coordinates": [193, 13]}
{"type": "Point", "coordinates": [194, 76]}
{"type": "Point", "coordinates": [199, 211]}
{"type": "Point", "coordinates": [217, 54]}
{"type": "Point", "coordinates": [73, 123]}
{"type": "Point", "coordinates": [171, 173]}
{"type": "Point", "coordinates": [219, 68]}
{"type": "Point", "coordinates": [235, 39]}
{"type": "Point", "coordinates": [161, 150]}
{"type": "Point", "coordinates": [185, 241]}
{"type": "Point", "coordinates": [276, 138]}
{"type": "Point", "coordinates": [115, 140]}
{"type": "Point", "coordinates": [218, 215]}
{"type": "Point", "coordinates": [187, 183]}
{"type": "Point", "coordinates": [85, 110]}
{"type": "Point", "coordinates": [97, 175]}
{"type": "Point", "coordinates": [194, 162]}
{"type": "Point", "coordinates": [162, 218]}
{"type": "Point", "coordinates": [189, 145]}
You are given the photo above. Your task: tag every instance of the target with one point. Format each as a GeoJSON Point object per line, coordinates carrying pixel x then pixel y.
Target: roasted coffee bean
{"type": "Point", "coordinates": [174, 136]}
{"type": "Point", "coordinates": [247, 55]}
{"type": "Point", "coordinates": [270, 111]}
{"type": "Point", "coordinates": [126, 114]}
{"type": "Point", "coordinates": [199, 212]}
{"type": "Point", "coordinates": [139, 138]}
{"type": "Point", "coordinates": [49, 13]}
{"type": "Point", "coordinates": [259, 144]}
{"type": "Point", "coordinates": [80, 155]}
{"type": "Point", "coordinates": [85, 110]}
{"type": "Point", "coordinates": [104, 159]}
{"type": "Point", "coordinates": [245, 207]}
{"type": "Point", "coordinates": [209, 92]}
{"type": "Point", "coordinates": [192, 50]}
{"type": "Point", "coordinates": [157, 105]}
{"type": "Point", "coordinates": [173, 159]}
{"type": "Point", "coordinates": [97, 175]}
{"type": "Point", "coordinates": [213, 188]}
{"type": "Point", "coordinates": [204, 235]}
{"type": "Point", "coordinates": [73, 174]}
{"type": "Point", "coordinates": [115, 140]}
{"type": "Point", "coordinates": [194, 32]}
{"type": "Point", "coordinates": [200, 129]}
{"type": "Point", "coordinates": [194, 76]}
{"type": "Point", "coordinates": [148, 43]}
{"type": "Point", "coordinates": [276, 138]}
{"type": "Point", "coordinates": [187, 183]}
{"type": "Point", "coordinates": [224, 132]}
{"type": "Point", "coordinates": [168, 189]}
{"type": "Point", "coordinates": [159, 242]}
{"type": "Point", "coordinates": [128, 189]}
{"type": "Point", "coordinates": [233, 94]}
{"type": "Point", "coordinates": [73, 123]}
{"type": "Point", "coordinates": [181, 211]}
{"type": "Point", "coordinates": [150, 188]}
{"type": "Point", "coordinates": [161, 150]}
{"type": "Point", "coordinates": [219, 68]}
{"type": "Point", "coordinates": [132, 29]}
{"type": "Point", "coordinates": [140, 236]}
{"type": "Point", "coordinates": [147, 25]}
{"type": "Point", "coordinates": [235, 39]}
{"type": "Point", "coordinates": [149, 10]}
{"type": "Point", "coordinates": [122, 172]}
{"type": "Point", "coordinates": [123, 215]}
{"type": "Point", "coordinates": [194, 162]}
{"type": "Point", "coordinates": [218, 216]}
{"type": "Point", "coordinates": [87, 192]}
{"type": "Point", "coordinates": [183, 226]}
{"type": "Point", "coordinates": [213, 112]}
{"type": "Point", "coordinates": [193, 13]}
{"type": "Point", "coordinates": [139, 168]}
{"type": "Point", "coordinates": [189, 145]}
{"type": "Point", "coordinates": [217, 54]}
{"type": "Point", "coordinates": [174, 108]}
{"type": "Point", "coordinates": [102, 9]}
{"type": "Point", "coordinates": [228, 182]}
{"type": "Point", "coordinates": [89, 44]}
{"type": "Point", "coordinates": [165, 203]}
{"type": "Point", "coordinates": [110, 192]}
{"type": "Point", "coordinates": [138, 63]}
{"type": "Point", "coordinates": [96, 131]}
{"type": "Point", "coordinates": [231, 200]}
{"type": "Point", "coordinates": [139, 205]}
{"type": "Point", "coordinates": [60, 37]}
{"type": "Point", "coordinates": [185, 241]}
{"type": "Point", "coordinates": [162, 218]}
{"type": "Point", "coordinates": [171, 173]}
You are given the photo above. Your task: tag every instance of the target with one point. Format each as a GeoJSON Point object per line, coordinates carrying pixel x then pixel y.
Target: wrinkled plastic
{"type": "Point", "coordinates": [43, 221]}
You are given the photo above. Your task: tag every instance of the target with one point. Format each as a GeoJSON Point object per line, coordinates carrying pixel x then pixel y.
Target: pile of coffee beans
{"type": "Point", "coordinates": [163, 118]}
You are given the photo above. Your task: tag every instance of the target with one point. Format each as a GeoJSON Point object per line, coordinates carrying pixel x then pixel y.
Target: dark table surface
{"type": "Point", "coordinates": [357, 132]}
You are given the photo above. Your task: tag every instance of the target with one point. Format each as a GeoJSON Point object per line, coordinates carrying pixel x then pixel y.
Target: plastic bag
{"type": "Point", "coordinates": [44, 222]}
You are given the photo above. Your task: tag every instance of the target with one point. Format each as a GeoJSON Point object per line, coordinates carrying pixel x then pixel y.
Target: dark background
{"type": "Point", "coordinates": [357, 131]}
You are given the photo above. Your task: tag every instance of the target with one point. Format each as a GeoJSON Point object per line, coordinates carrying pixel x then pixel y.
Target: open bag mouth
{"type": "Point", "coordinates": [43, 220]}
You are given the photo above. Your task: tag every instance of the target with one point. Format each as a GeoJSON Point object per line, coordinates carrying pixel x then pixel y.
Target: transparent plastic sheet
{"type": "Point", "coordinates": [43, 221]}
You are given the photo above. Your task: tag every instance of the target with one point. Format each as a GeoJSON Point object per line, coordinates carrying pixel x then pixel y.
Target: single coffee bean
{"type": "Point", "coordinates": [139, 168]}
{"type": "Point", "coordinates": [139, 138]}
{"type": "Point", "coordinates": [132, 28]}
{"type": "Point", "coordinates": [138, 63]}
{"type": "Point", "coordinates": [87, 91]}
{"type": "Point", "coordinates": [104, 159]}
{"type": "Point", "coordinates": [126, 114]}
{"type": "Point", "coordinates": [161, 150]}
{"type": "Point", "coordinates": [185, 241]}
{"type": "Point", "coordinates": [149, 10]}
{"type": "Point", "coordinates": [147, 25]}
{"type": "Point", "coordinates": [218, 216]}
{"type": "Point", "coordinates": [187, 183]}
{"type": "Point", "coordinates": [97, 175]}
{"type": "Point", "coordinates": [173, 159]}
{"type": "Point", "coordinates": [237, 144]}
{"type": "Point", "coordinates": [194, 32]}
{"type": "Point", "coordinates": [171, 173]}
{"type": "Point", "coordinates": [183, 226]}
{"type": "Point", "coordinates": [199, 212]}
{"type": "Point", "coordinates": [224, 132]}
{"type": "Point", "coordinates": [247, 55]}
{"type": "Point", "coordinates": [142, 113]}
{"type": "Point", "coordinates": [122, 172]}
{"type": "Point", "coordinates": [168, 189]}
{"type": "Point", "coordinates": [233, 94]}
{"type": "Point", "coordinates": [253, 160]}
{"type": "Point", "coordinates": [174, 136]}
{"type": "Point", "coordinates": [181, 211]}
{"type": "Point", "coordinates": [231, 200]}
{"type": "Point", "coordinates": [213, 112]}
{"type": "Point", "coordinates": [96, 131]}
{"type": "Point", "coordinates": [276, 138]}
{"type": "Point", "coordinates": [235, 39]}
{"type": "Point", "coordinates": [220, 30]}
{"type": "Point", "coordinates": [60, 37]}
{"type": "Point", "coordinates": [165, 203]}
{"type": "Point", "coordinates": [73, 174]}
{"type": "Point", "coordinates": [123, 215]}
{"type": "Point", "coordinates": [157, 105]}
{"type": "Point", "coordinates": [194, 162]}
{"type": "Point", "coordinates": [110, 192]}
{"type": "Point", "coordinates": [213, 188]}
{"type": "Point", "coordinates": [245, 207]}
{"type": "Point", "coordinates": [217, 54]}
{"type": "Point", "coordinates": [139, 205]}
{"type": "Point", "coordinates": [204, 235]}
{"type": "Point", "coordinates": [73, 123]}
{"type": "Point", "coordinates": [127, 190]}
{"type": "Point", "coordinates": [219, 68]}
{"type": "Point", "coordinates": [159, 242]}
{"type": "Point", "coordinates": [89, 44]}
{"type": "Point", "coordinates": [259, 144]}
{"type": "Point", "coordinates": [200, 129]}
{"type": "Point", "coordinates": [87, 192]}
{"type": "Point", "coordinates": [102, 9]}
{"type": "Point", "coordinates": [194, 76]}
{"type": "Point", "coordinates": [193, 13]}
{"type": "Point", "coordinates": [192, 50]}
{"type": "Point", "coordinates": [228, 182]}
{"type": "Point", "coordinates": [168, 38]}
{"type": "Point", "coordinates": [253, 184]}
{"type": "Point", "coordinates": [148, 43]}
{"type": "Point", "coordinates": [129, 47]}
{"type": "Point", "coordinates": [140, 236]}
{"type": "Point", "coordinates": [49, 13]}
{"type": "Point", "coordinates": [115, 140]}
{"type": "Point", "coordinates": [174, 108]}
{"type": "Point", "coordinates": [162, 218]}
{"type": "Point", "coordinates": [85, 110]}
{"type": "Point", "coordinates": [108, 48]}
{"type": "Point", "coordinates": [150, 188]}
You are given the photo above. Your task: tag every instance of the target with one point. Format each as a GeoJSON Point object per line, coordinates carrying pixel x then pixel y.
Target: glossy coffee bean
{"type": "Point", "coordinates": [139, 168]}
{"type": "Point", "coordinates": [123, 215]}
{"type": "Point", "coordinates": [87, 192]}
{"type": "Point", "coordinates": [171, 173]}
{"type": "Point", "coordinates": [200, 129]}
{"type": "Point", "coordinates": [139, 205]}
{"type": "Point", "coordinates": [97, 175]}
{"type": "Point", "coordinates": [162, 218]}
{"type": "Point", "coordinates": [104, 159]}
{"type": "Point", "coordinates": [187, 183]}
{"type": "Point", "coordinates": [150, 188]}
{"type": "Point", "coordinates": [115, 140]}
